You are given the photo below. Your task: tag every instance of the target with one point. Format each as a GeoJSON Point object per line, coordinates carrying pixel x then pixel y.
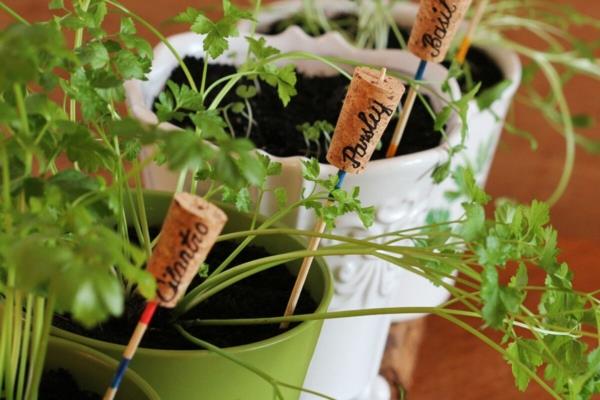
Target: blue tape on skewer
{"type": "Point", "coordinates": [421, 70]}
{"type": "Point", "coordinates": [120, 373]}
{"type": "Point", "coordinates": [341, 175]}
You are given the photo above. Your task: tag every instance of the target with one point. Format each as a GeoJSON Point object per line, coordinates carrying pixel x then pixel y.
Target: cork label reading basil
{"type": "Point", "coordinates": [435, 39]}
{"type": "Point", "coordinates": [171, 279]}
{"type": "Point", "coordinates": [370, 121]}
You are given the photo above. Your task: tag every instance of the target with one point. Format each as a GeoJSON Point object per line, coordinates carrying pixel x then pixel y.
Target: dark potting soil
{"type": "Point", "coordinates": [482, 67]}
{"type": "Point", "coordinates": [59, 384]}
{"type": "Point", "coordinates": [263, 295]}
{"type": "Point", "coordinates": [319, 98]}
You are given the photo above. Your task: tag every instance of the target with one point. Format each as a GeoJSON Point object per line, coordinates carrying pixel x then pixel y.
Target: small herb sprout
{"type": "Point", "coordinates": [313, 133]}
{"type": "Point", "coordinates": [246, 92]}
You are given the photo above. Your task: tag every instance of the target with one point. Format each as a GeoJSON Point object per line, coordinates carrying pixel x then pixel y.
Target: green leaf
{"type": "Point", "coordinates": [281, 196]}
{"type": "Point", "coordinates": [245, 91]}
{"type": "Point", "coordinates": [210, 124]}
{"type": "Point", "coordinates": [487, 97]}
{"type": "Point", "coordinates": [141, 46]}
{"type": "Point", "coordinates": [498, 300]}
{"type": "Point", "coordinates": [186, 150]}
{"type": "Point", "coordinates": [311, 169]}
{"type": "Point", "coordinates": [474, 225]}
{"type": "Point", "coordinates": [215, 41]}
{"type": "Point", "coordinates": [441, 172]}
{"type": "Point", "coordinates": [127, 26]}
{"type": "Point", "coordinates": [467, 186]}
{"type": "Point", "coordinates": [549, 252]}
{"type": "Point", "coordinates": [583, 121]}
{"type": "Point", "coordinates": [441, 119]}
{"type": "Point", "coordinates": [242, 200]}
{"type": "Point", "coordinates": [520, 354]}
{"type": "Point", "coordinates": [187, 16]}
{"type": "Point", "coordinates": [130, 66]}
{"type": "Point", "coordinates": [286, 82]}
{"type": "Point", "coordinates": [239, 197]}
{"type": "Point", "coordinates": [251, 167]}
{"type": "Point", "coordinates": [521, 278]}
{"type": "Point", "coordinates": [84, 149]}
{"type": "Point", "coordinates": [202, 25]}
{"type": "Point", "coordinates": [103, 79]}
{"type": "Point", "coordinates": [56, 4]}
{"type": "Point", "coordinates": [260, 49]}
{"type": "Point", "coordinates": [74, 184]}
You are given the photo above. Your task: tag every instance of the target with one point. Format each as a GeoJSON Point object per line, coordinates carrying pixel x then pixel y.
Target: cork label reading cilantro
{"type": "Point", "coordinates": [173, 275]}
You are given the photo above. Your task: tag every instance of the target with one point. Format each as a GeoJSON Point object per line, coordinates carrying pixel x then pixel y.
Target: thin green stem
{"type": "Point", "coordinates": [25, 346]}
{"type": "Point", "coordinates": [19, 99]}
{"type": "Point", "coordinates": [38, 326]}
{"type": "Point", "coordinates": [4, 327]}
{"type": "Point", "coordinates": [258, 372]}
{"type": "Point", "coordinates": [13, 13]}
{"type": "Point", "coordinates": [38, 362]}
{"type": "Point", "coordinates": [270, 380]}
{"type": "Point", "coordinates": [328, 316]}
{"type": "Point", "coordinates": [78, 41]}
{"type": "Point", "coordinates": [17, 325]}
{"type": "Point", "coordinates": [571, 148]}
{"type": "Point", "coordinates": [139, 194]}
{"type": "Point", "coordinates": [204, 73]}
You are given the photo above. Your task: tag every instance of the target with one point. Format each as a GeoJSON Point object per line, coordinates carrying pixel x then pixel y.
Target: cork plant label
{"type": "Point", "coordinates": [367, 110]}
{"type": "Point", "coordinates": [191, 228]}
{"type": "Point", "coordinates": [435, 27]}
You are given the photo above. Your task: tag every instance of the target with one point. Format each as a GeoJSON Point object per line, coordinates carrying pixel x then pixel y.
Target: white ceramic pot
{"type": "Point", "coordinates": [485, 127]}
{"type": "Point", "coordinates": [349, 351]}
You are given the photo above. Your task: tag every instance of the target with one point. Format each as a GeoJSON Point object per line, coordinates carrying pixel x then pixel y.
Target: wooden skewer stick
{"type": "Point", "coordinates": [429, 40]}
{"type": "Point", "coordinates": [313, 245]}
{"type": "Point", "coordinates": [405, 112]}
{"type": "Point", "coordinates": [461, 56]}
{"type": "Point", "coordinates": [382, 75]}
{"type": "Point", "coordinates": [362, 87]}
{"type": "Point", "coordinates": [130, 350]}
{"type": "Point", "coordinates": [191, 228]}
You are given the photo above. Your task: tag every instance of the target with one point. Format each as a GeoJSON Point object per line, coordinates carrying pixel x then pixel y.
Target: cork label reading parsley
{"type": "Point", "coordinates": [435, 40]}
{"type": "Point", "coordinates": [370, 121]}
{"type": "Point", "coordinates": [171, 279]}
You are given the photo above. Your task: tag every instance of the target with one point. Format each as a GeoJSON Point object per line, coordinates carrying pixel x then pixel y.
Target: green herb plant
{"type": "Point", "coordinates": [70, 171]}
{"type": "Point", "coordinates": [312, 134]}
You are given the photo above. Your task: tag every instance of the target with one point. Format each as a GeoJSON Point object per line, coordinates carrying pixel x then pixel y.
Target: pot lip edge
{"type": "Point", "coordinates": [131, 375]}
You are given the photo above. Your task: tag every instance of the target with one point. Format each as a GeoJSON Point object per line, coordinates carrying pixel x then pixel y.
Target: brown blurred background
{"type": "Point", "coordinates": [451, 365]}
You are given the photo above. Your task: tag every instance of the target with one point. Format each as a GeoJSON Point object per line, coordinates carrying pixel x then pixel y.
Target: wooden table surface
{"type": "Point", "coordinates": [452, 365]}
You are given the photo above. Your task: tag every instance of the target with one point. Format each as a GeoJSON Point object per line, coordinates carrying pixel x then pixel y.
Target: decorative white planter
{"type": "Point", "coordinates": [485, 128]}
{"type": "Point", "coordinates": [349, 351]}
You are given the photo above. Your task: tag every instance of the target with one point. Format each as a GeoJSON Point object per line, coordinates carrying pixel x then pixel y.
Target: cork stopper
{"type": "Point", "coordinates": [191, 228]}
{"type": "Point", "coordinates": [435, 27]}
{"type": "Point", "coordinates": [368, 107]}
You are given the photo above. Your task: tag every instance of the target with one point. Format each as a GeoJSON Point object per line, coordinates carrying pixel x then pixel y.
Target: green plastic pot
{"type": "Point", "coordinates": [93, 370]}
{"type": "Point", "coordinates": [200, 374]}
